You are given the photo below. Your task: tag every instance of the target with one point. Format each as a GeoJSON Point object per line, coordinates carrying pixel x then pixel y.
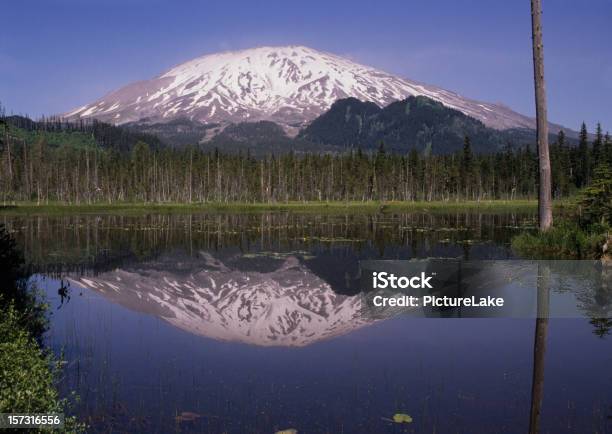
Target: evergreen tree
{"type": "Point", "coordinates": [597, 197]}
{"type": "Point", "coordinates": [583, 166]}
{"type": "Point", "coordinates": [140, 162]}
{"type": "Point", "coordinates": [53, 163]}
{"type": "Point", "coordinates": [561, 139]}
{"type": "Point", "coordinates": [465, 172]}
{"type": "Point", "coordinates": [607, 149]}
{"type": "Point", "coordinates": [560, 166]}
{"type": "Point", "coordinates": [597, 145]}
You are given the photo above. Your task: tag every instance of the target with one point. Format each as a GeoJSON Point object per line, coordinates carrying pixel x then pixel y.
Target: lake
{"type": "Point", "coordinates": [250, 323]}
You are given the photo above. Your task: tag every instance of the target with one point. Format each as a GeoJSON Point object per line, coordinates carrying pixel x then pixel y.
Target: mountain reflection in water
{"type": "Point", "coordinates": [278, 342]}
{"type": "Point", "coordinates": [271, 299]}
{"type": "Point", "coordinates": [286, 304]}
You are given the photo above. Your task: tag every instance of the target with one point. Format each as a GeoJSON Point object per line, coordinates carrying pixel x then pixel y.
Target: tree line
{"type": "Point", "coordinates": [42, 168]}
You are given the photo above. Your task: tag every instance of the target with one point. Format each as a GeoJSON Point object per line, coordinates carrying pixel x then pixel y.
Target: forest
{"type": "Point", "coordinates": [54, 162]}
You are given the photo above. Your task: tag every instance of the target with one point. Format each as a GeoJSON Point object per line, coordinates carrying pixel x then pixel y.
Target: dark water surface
{"type": "Point", "coordinates": [250, 324]}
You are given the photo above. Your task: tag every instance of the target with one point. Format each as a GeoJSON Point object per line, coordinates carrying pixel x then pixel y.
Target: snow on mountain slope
{"type": "Point", "coordinates": [289, 85]}
{"type": "Point", "coordinates": [284, 306]}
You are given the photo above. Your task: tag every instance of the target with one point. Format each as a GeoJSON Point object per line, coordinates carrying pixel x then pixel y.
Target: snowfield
{"type": "Point", "coordinates": [288, 85]}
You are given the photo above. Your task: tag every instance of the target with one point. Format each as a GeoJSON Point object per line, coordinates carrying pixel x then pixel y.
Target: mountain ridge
{"type": "Point", "coordinates": [418, 123]}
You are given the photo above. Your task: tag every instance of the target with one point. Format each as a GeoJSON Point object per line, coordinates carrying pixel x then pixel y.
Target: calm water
{"type": "Point", "coordinates": [250, 324]}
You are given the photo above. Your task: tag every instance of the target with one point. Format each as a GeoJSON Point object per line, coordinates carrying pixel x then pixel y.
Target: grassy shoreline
{"type": "Point", "coordinates": [319, 207]}
{"type": "Point", "coordinates": [29, 371]}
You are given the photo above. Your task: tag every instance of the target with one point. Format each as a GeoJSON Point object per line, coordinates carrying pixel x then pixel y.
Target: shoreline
{"type": "Point", "coordinates": [320, 207]}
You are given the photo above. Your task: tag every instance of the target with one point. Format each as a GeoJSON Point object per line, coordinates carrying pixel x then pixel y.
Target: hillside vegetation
{"type": "Point", "coordinates": [88, 163]}
{"type": "Point", "coordinates": [416, 123]}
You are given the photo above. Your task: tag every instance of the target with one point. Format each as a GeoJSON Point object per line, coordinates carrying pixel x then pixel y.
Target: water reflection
{"type": "Point", "coordinates": [162, 306]}
{"type": "Point", "coordinates": [274, 299]}
{"type": "Point", "coordinates": [267, 300]}
{"type": "Point", "coordinates": [90, 243]}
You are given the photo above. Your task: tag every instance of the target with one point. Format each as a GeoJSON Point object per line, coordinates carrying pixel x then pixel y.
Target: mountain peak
{"type": "Point", "coordinates": [289, 85]}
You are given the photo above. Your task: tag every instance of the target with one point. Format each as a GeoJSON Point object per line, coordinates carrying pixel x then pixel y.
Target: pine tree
{"type": "Point", "coordinates": [597, 197]}
{"type": "Point", "coordinates": [597, 144]}
{"type": "Point", "coordinates": [77, 169]}
{"type": "Point", "coordinates": [465, 172]}
{"type": "Point", "coordinates": [583, 169]}
{"type": "Point", "coordinates": [560, 166]}
{"type": "Point", "coordinates": [607, 149]}
{"type": "Point", "coordinates": [561, 138]}
{"type": "Point", "coordinates": [140, 162]}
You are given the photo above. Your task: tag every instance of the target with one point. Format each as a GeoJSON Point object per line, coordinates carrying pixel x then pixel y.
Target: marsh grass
{"type": "Point", "coordinates": [580, 230]}
{"type": "Point", "coordinates": [566, 240]}
{"type": "Point", "coordinates": [27, 208]}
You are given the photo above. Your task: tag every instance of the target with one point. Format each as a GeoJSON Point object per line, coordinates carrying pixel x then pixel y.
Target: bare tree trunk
{"type": "Point", "coordinates": [190, 173]}
{"type": "Point", "coordinates": [539, 348]}
{"type": "Point", "coordinates": [88, 187]}
{"type": "Point", "coordinates": [544, 199]}
{"type": "Point", "coordinates": [9, 158]}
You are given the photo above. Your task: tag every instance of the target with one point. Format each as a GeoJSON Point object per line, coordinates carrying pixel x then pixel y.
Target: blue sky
{"type": "Point", "coordinates": [59, 54]}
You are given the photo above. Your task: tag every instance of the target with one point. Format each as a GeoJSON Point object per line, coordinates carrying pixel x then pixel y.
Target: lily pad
{"type": "Point", "coordinates": [402, 418]}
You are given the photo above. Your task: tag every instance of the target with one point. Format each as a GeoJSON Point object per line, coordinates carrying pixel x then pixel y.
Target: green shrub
{"type": "Point", "coordinates": [26, 382]}
{"type": "Point", "coordinates": [566, 240]}
{"type": "Point", "coordinates": [582, 232]}
{"type": "Point", "coordinates": [16, 289]}
{"type": "Point", "coordinates": [27, 373]}
{"type": "Point", "coordinates": [596, 203]}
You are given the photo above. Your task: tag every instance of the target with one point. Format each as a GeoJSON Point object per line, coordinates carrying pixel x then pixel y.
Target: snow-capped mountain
{"type": "Point", "coordinates": [288, 85]}
{"type": "Point", "coordinates": [286, 305]}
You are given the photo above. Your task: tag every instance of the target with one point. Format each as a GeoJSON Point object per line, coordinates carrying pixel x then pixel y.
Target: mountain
{"type": "Point", "coordinates": [260, 139]}
{"type": "Point", "coordinates": [178, 131]}
{"type": "Point", "coordinates": [414, 123]}
{"type": "Point", "coordinates": [281, 303]}
{"type": "Point", "coordinates": [287, 85]}
{"type": "Point", "coordinates": [253, 137]}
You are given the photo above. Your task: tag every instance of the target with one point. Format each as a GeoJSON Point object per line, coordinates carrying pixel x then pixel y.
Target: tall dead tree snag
{"type": "Point", "coordinates": [539, 347]}
{"type": "Point", "coordinates": [544, 197]}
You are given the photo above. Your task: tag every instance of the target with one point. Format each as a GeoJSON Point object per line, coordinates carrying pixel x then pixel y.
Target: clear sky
{"type": "Point", "coordinates": [59, 54]}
